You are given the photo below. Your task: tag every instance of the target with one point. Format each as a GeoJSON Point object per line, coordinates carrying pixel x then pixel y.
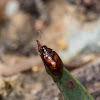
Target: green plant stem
{"type": "Point", "coordinates": [71, 88]}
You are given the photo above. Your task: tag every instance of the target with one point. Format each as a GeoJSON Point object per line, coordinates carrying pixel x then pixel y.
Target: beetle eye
{"type": "Point", "coordinates": [41, 49]}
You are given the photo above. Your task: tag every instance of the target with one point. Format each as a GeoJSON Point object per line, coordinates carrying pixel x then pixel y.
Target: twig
{"type": "Point", "coordinates": [20, 67]}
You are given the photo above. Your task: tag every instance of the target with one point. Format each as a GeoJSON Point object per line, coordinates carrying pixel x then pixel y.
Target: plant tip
{"type": "Point", "coordinates": [39, 45]}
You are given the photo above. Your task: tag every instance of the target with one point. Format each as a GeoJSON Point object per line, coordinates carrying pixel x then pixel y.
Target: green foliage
{"type": "Point", "coordinates": [8, 86]}
{"type": "Point", "coordinates": [71, 88]}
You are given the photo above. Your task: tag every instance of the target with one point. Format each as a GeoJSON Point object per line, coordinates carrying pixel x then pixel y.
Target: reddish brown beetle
{"type": "Point", "coordinates": [51, 60]}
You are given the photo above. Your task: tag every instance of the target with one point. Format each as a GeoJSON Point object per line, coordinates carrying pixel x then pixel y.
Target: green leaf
{"type": "Point", "coordinates": [71, 88]}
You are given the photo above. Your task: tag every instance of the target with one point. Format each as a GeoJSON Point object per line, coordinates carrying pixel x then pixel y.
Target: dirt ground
{"type": "Point", "coordinates": [22, 73]}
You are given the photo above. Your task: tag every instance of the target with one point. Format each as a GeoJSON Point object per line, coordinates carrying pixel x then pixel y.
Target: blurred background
{"type": "Point", "coordinates": [70, 27]}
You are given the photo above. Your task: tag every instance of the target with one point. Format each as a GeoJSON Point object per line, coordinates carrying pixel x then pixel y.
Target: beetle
{"type": "Point", "coordinates": [51, 60]}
